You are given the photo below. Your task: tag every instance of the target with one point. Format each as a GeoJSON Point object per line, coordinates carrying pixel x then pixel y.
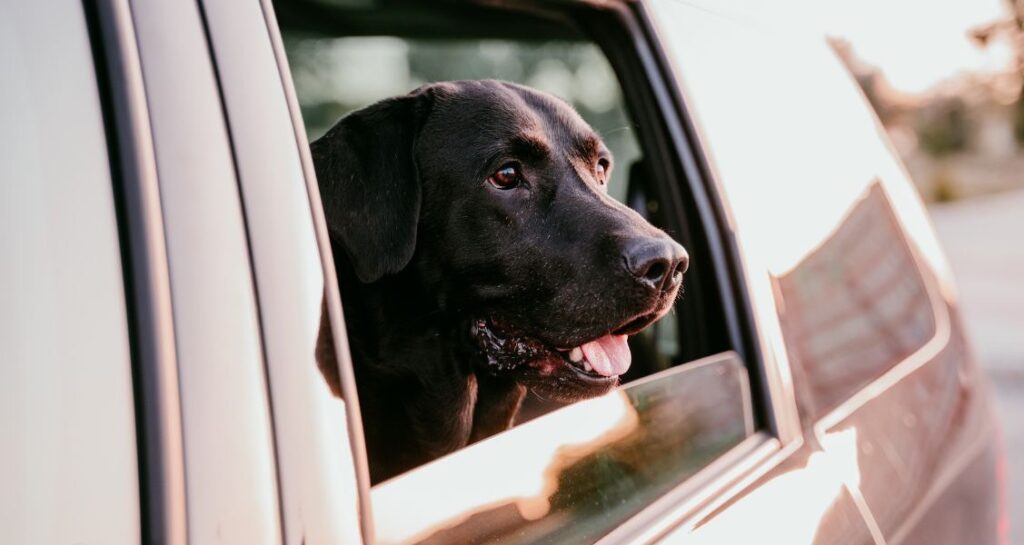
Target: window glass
{"type": "Point", "coordinates": [68, 463]}
{"type": "Point", "coordinates": [575, 474]}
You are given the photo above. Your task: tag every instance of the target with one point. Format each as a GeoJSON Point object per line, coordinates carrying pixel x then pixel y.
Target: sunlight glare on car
{"type": "Point", "coordinates": [518, 468]}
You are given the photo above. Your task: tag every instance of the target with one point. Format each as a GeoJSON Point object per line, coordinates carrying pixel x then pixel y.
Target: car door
{"type": "Point", "coordinates": [69, 463]}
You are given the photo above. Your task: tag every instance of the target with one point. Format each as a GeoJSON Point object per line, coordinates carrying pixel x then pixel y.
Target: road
{"type": "Point", "coordinates": [983, 241]}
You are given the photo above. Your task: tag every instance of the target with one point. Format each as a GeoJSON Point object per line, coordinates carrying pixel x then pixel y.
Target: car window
{"type": "Point", "coordinates": [68, 464]}
{"type": "Point", "coordinates": [566, 471]}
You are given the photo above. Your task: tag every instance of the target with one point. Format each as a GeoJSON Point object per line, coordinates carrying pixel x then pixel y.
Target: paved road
{"type": "Point", "coordinates": [984, 240]}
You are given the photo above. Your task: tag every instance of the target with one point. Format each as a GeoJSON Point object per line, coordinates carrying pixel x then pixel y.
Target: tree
{"type": "Point", "coordinates": [1010, 28]}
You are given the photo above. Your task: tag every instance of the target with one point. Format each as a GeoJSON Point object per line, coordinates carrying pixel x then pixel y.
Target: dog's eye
{"type": "Point", "coordinates": [506, 177]}
{"type": "Point", "coordinates": [602, 170]}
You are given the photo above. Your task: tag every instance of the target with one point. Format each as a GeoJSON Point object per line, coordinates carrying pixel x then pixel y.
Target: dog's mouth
{"type": "Point", "coordinates": [506, 349]}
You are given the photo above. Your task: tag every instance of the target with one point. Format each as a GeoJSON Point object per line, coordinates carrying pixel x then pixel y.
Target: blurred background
{"type": "Point", "coordinates": [946, 79]}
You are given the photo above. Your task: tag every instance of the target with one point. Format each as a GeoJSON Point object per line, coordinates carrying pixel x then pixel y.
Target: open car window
{"type": "Point", "coordinates": [564, 472]}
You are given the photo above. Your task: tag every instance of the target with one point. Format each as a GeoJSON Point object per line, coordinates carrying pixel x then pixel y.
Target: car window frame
{"type": "Point", "coordinates": [332, 294]}
{"type": "Point", "coordinates": [771, 371]}
{"type": "Point", "coordinates": [780, 433]}
{"type": "Point", "coordinates": [785, 433]}
{"type": "Point", "coordinates": [273, 187]}
{"type": "Point", "coordinates": [129, 117]}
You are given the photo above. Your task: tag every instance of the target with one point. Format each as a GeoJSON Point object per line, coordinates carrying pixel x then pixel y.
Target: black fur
{"type": "Point", "coordinates": [426, 248]}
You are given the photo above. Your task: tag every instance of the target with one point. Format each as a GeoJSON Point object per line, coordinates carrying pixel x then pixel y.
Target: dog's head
{"type": "Point", "coordinates": [495, 197]}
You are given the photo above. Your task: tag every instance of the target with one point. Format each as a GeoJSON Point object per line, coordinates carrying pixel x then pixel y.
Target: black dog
{"type": "Point", "coordinates": [479, 256]}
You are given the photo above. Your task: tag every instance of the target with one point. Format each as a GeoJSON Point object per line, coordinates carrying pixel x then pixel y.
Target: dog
{"type": "Point", "coordinates": [479, 257]}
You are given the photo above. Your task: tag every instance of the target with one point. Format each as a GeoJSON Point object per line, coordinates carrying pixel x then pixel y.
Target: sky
{"type": "Point", "coordinates": [916, 43]}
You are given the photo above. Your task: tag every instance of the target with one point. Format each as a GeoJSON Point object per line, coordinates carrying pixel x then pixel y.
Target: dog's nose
{"type": "Point", "coordinates": [658, 262]}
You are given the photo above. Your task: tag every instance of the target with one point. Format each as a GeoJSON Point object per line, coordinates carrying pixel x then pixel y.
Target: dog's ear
{"type": "Point", "coordinates": [369, 185]}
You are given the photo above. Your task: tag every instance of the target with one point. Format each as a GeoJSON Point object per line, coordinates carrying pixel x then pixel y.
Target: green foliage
{"type": "Point", "coordinates": [944, 186]}
{"type": "Point", "coordinates": [944, 129]}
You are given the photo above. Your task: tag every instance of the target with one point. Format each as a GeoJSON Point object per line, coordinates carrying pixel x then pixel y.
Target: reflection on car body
{"type": "Point", "coordinates": [854, 306]}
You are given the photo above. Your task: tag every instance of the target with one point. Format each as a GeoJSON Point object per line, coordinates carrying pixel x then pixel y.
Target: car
{"type": "Point", "coordinates": [166, 269]}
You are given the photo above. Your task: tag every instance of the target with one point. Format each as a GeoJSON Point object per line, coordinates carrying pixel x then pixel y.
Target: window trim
{"type": "Point", "coordinates": [147, 280]}
{"type": "Point", "coordinates": [275, 202]}
{"type": "Point", "coordinates": [629, 55]}
{"type": "Point", "coordinates": [332, 295]}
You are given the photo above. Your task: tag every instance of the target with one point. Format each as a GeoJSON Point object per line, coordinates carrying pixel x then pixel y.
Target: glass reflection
{"type": "Point", "coordinates": [853, 307]}
{"type": "Point", "coordinates": [578, 472]}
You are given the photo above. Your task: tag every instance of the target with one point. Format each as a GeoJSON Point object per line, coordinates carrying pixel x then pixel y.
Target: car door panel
{"type": "Point", "coordinates": [915, 439]}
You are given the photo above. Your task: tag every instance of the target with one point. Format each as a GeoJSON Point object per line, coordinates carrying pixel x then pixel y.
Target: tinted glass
{"type": "Point", "coordinates": [575, 474]}
{"type": "Point", "coordinates": [68, 463]}
{"type": "Point", "coordinates": [925, 428]}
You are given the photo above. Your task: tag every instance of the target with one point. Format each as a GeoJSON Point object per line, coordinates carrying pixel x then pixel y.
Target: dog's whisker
{"type": "Point", "coordinates": [619, 129]}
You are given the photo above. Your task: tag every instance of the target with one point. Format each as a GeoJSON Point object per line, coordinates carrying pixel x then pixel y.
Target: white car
{"type": "Point", "coordinates": [165, 258]}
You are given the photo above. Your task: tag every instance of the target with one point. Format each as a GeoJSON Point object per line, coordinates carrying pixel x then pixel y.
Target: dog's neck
{"type": "Point", "coordinates": [418, 392]}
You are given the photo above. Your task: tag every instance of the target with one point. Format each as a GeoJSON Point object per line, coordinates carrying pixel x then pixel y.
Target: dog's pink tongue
{"type": "Point", "coordinates": [609, 355]}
